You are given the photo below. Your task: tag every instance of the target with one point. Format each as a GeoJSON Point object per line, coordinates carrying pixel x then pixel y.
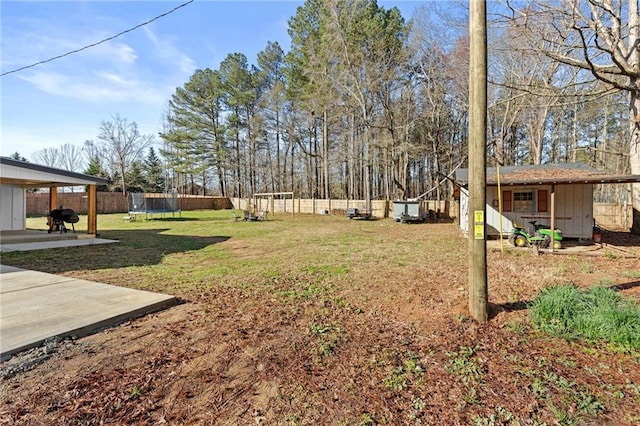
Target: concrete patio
{"type": "Point", "coordinates": [26, 240]}
{"type": "Point", "coordinates": [35, 306]}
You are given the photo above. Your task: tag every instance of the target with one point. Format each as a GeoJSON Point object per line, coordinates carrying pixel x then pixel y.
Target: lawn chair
{"type": "Point", "coordinates": [250, 217]}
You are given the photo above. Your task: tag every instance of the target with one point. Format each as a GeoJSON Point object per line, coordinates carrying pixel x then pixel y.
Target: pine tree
{"type": "Point", "coordinates": [195, 136]}
{"type": "Point", "coordinates": [154, 174]}
{"type": "Point", "coordinates": [94, 168]}
{"type": "Point", "coordinates": [16, 156]}
{"type": "Point", "coordinates": [136, 179]}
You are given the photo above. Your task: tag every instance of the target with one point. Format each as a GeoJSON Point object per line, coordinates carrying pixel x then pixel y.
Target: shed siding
{"type": "Point", "coordinates": [464, 209]}
{"type": "Point", "coordinates": [574, 210]}
{"type": "Point", "coordinates": [573, 204]}
{"type": "Point", "coordinates": [493, 213]}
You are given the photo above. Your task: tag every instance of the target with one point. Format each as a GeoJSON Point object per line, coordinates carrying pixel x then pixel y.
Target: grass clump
{"type": "Point", "coordinates": [599, 313]}
{"type": "Point", "coordinates": [402, 376]}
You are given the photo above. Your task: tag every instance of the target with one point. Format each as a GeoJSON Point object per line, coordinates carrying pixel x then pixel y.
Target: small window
{"type": "Point", "coordinates": [523, 201]}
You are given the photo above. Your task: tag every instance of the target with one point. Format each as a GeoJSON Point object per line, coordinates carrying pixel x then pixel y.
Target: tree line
{"type": "Point", "coordinates": [122, 155]}
{"type": "Point", "coordinates": [369, 105]}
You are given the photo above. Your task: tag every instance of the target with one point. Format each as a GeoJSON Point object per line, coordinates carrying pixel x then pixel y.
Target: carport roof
{"type": "Point", "coordinates": [29, 175]}
{"type": "Point", "coordinates": [547, 174]}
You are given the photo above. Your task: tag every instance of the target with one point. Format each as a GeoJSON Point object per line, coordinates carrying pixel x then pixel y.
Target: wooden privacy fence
{"type": "Point", "coordinates": [379, 208]}
{"type": "Point", "coordinates": [607, 215]}
{"type": "Point", "coordinates": [614, 216]}
{"type": "Point", "coordinates": [114, 202]}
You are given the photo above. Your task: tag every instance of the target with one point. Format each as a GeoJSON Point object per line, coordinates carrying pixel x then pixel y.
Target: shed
{"type": "Point", "coordinates": [18, 176]}
{"type": "Point", "coordinates": [408, 211]}
{"type": "Point", "coordinates": [559, 195]}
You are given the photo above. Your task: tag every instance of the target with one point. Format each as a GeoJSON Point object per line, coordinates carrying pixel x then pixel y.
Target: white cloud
{"type": "Point", "coordinates": [114, 78]}
{"type": "Point", "coordinates": [34, 46]}
{"type": "Point", "coordinates": [166, 51]}
{"type": "Point", "coordinates": [98, 86]}
{"type": "Point", "coordinates": [118, 53]}
{"type": "Point", "coordinates": [27, 140]}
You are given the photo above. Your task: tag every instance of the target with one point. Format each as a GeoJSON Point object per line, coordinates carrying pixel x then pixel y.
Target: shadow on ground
{"type": "Point", "coordinates": [620, 238]}
{"type": "Point", "coordinates": [625, 286]}
{"type": "Point", "coordinates": [135, 248]}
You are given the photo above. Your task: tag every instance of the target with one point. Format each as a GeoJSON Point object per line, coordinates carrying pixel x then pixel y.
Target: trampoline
{"type": "Point", "coordinates": [154, 204]}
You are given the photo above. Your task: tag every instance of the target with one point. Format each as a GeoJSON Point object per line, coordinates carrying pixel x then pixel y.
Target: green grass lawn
{"type": "Point", "coordinates": [208, 248]}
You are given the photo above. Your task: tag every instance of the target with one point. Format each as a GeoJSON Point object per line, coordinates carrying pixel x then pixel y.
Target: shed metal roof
{"type": "Point", "coordinates": [547, 174]}
{"type": "Point", "coordinates": [30, 175]}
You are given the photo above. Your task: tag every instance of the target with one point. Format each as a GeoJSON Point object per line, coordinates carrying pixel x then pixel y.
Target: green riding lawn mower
{"type": "Point", "coordinates": [541, 236]}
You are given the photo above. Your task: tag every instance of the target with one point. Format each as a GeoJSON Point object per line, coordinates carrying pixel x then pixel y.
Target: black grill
{"type": "Point", "coordinates": [61, 216]}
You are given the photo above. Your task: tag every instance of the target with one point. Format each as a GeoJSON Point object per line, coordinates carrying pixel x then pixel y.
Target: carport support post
{"type": "Point", "coordinates": [478, 292]}
{"type": "Point", "coordinates": [92, 211]}
{"type": "Point", "coordinates": [553, 217]}
{"type": "Point", "coordinates": [53, 203]}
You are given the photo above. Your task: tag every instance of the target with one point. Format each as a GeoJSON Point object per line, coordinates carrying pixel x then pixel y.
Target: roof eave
{"type": "Point", "coordinates": [60, 177]}
{"type": "Point", "coordinates": [569, 181]}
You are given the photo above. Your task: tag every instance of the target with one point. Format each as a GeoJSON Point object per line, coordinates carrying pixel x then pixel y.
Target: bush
{"type": "Point", "coordinates": [598, 313]}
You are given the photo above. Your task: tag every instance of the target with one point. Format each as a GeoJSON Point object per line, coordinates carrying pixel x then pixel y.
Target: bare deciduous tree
{"type": "Point", "coordinates": [601, 37]}
{"type": "Point", "coordinates": [47, 157]}
{"type": "Point", "coordinates": [71, 157]}
{"type": "Point", "coordinates": [125, 145]}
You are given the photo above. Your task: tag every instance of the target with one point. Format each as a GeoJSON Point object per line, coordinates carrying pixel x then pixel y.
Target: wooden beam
{"type": "Point", "coordinates": [53, 203]}
{"type": "Point", "coordinates": [92, 211]}
{"type": "Point", "coordinates": [553, 217]}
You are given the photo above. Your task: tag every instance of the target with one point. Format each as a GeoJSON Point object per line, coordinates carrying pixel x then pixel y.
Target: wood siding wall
{"type": "Point", "coordinates": [574, 209]}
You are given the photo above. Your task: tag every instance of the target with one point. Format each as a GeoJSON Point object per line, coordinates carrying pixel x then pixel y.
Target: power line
{"type": "Point", "coordinates": [99, 42]}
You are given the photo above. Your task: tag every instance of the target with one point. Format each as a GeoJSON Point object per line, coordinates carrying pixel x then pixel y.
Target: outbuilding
{"type": "Point", "coordinates": [558, 195]}
{"type": "Point", "coordinates": [16, 177]}
{"type": "Point", "coordinates": [407, 211]}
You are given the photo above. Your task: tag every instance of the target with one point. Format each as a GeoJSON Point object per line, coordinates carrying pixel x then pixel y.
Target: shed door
{"type": "Point", "coordinates": [507, 201]}
{"type": "Point", "coordinates": [543, 197]}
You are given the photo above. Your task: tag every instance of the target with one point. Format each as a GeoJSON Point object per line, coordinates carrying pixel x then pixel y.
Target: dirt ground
{"type": "Point", "coordinates": [381, 342]}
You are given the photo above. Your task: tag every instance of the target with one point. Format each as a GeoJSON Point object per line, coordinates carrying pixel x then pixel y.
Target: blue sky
{"type": "Point", "coordinates": [66, 100]}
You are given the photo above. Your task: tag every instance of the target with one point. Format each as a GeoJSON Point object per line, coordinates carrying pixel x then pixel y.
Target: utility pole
{"type": "Point", "coordinates": [478, 292]}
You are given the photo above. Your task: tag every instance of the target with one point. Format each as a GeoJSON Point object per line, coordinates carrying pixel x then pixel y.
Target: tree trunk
{"type": "Point", "coordinates": [634, 112]}
{"type": "Point", "coordinates": [279, 170]}
{"type": "Point", "coordinates": [325, 154]}
{"type": "Point", "coordinates": [634, 155]}
{"type": "Point", "coordinates": [122, 179]}
{"type": "Point", "coordinates": [574, 134]}
{"type": "Point", "coordinates": [352, 160]}
{"type": "Point", "coordinates": [223, 191]}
